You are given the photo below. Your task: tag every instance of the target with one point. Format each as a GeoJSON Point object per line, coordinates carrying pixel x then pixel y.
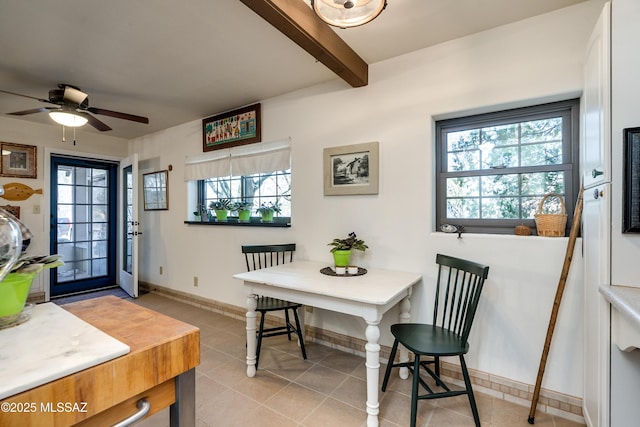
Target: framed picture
{"type": "Point", "coordinates": [18, 160]}
{"type": "Point", "coordinates": [13, 210]}
{"type": "Point", "coordinates": [237, 127]}
{"type": "Point", "coordinates": [631, 190]}
{"type": "Point", "coordinates": [155, 186]}
{"type": "Point", "coordinates": [351, 169]}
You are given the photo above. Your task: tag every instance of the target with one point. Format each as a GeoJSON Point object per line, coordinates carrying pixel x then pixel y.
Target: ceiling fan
{"type": "Point", "coordinates": [70, 100]}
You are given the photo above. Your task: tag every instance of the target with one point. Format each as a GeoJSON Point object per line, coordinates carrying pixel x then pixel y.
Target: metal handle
{"type": "Point", "coordinates": [596, 173]}
{"type": "Point", "coordinates": [143, 409]}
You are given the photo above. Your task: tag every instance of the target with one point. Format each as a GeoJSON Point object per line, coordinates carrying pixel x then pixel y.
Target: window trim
{"type": "Point", "coordinates": [570, 151]}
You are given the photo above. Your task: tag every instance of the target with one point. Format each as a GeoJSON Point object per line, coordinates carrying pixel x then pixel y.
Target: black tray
{"type": "Point", "coordinates": [330, 272]}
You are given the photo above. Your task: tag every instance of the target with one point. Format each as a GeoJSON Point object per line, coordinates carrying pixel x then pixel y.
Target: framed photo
{"type": "Point", "coordinates": [351, 169]}
{"type": "Point", "coordinates": [18, 160]}
{"type": "Point", "coordinates": [631, 190]}
{"type": "Point", "coordinates": [13, 210]}
{"type": "Point", "coordinates": [155, 186]}
{"type": "Point", "coordinates": [237, 127]}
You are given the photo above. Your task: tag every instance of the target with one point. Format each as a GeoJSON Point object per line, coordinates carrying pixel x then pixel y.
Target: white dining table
{"type": "Point", "coordinates": [368, 296]}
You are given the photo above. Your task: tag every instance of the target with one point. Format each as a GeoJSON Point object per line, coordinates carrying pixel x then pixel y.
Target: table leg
{"type": "Point", "coordinates": [373, 368]}
{"type": "Point", "coordinates": [183, 412]}
{"type": "Point", "coordinates": [301, 316]}
{"type": "Point", "coordinates": [405, 317]}
{"type": "Point", "coordinates": [251, 335]}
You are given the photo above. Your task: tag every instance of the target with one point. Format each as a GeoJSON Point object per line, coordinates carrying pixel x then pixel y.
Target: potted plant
{"type": "Point", "coordinates": [267, 210]}
{"type": "Point", "coordinates": [342, 249]}
{"type": "Point", "coordinates": [200, 213]}
{"type": "Point", "coordinates": [243, 208]}
{"type": "Point", "coordinates": [221, 207]}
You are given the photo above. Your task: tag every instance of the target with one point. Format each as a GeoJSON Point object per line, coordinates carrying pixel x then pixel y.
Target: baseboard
{"type": "Point", "coordinates": [36, 297]}
{"type": "Point", "coordinates": [551, 402]}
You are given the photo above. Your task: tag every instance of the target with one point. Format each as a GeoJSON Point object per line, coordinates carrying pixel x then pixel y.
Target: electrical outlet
{"type": "Point", "coordinates": [161, 270]}
{"type": "Point", "coordinates": [308, 309]}
{"type": "Point", "coordinates": [195, 281]}
{"type": "Point", "coordinates": [36, 209]}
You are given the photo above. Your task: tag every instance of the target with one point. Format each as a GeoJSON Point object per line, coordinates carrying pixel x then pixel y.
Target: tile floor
{"type": "Point", "coordinates": [328, 389]}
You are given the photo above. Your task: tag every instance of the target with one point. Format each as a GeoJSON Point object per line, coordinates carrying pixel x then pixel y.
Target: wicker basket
{"type": "Point", "coordinates": [551, 225]}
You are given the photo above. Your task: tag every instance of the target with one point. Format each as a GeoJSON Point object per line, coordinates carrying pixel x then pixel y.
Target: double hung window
{"type": "Point", "coordinates": [494, 169]}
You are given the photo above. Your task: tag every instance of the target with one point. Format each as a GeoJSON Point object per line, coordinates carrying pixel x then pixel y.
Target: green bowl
{"type": "Point", "coordinates": [14, 290]}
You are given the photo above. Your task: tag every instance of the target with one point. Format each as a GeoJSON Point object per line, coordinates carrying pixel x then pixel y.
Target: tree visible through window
{"type": "Point", "coordinates": [494, 169]}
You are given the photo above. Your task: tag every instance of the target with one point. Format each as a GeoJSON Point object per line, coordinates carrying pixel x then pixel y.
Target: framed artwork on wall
{"type": "Point", "coordinates": [631, 190]}
{"type": "Point", "coordinates": [351, 169]}
{"type": "Point", "coordinates": [156, 190]}
{"type": "Point", "coordinates": [18, 160]}
{"type": "Point", "coordinates": [230, 129]}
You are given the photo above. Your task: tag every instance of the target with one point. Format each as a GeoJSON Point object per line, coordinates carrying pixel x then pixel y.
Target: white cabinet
{"type": "Point", "coordinates": [596, 233]}
{"type": "Point", "coordinates": [596, 221]}
{"type": "Point", "coordinates": [595, 161]}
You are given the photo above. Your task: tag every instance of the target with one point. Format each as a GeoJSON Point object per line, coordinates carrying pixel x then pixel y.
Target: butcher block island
{"type": "Point", "coordinates": [158, 371]}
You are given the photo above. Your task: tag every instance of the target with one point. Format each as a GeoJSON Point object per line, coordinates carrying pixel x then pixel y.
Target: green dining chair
{"type": "Point", "coordinates": [263, 256]}
{"type": "Point", "coordinates": [458, 288]}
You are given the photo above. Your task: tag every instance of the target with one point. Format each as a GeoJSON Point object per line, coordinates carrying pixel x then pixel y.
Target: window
{"type": "Point", "coordinates": [273, 187]}
{"type": "Point", "coordinates": [494, 169]}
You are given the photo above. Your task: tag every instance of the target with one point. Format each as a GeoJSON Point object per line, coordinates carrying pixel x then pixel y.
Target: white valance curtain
{"type": "Point", "coordinates": [248, 159]}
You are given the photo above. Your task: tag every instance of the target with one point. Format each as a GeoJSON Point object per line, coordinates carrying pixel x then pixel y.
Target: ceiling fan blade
{"type": "Point", "coordinates": [74, 95]}
{"type": "Point", "coordinates": [26, 96]}
{"type": "Point", "coordinates": [33, 111]}
{"type": "Point", "coordinates": [118, 115]}
{"type": "Point", "coordinates": [93, 121]}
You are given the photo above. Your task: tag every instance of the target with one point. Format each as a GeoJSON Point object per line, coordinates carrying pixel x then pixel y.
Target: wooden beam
{"type": "Point", "coordinates": [297, 21]}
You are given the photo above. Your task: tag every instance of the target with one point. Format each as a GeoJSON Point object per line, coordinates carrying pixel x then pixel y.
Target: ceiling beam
{"type": "Point", "coordinates": [297, 21]}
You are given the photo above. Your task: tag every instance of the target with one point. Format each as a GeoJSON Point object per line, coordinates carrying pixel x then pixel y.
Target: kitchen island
{"type": "Point", "coordinates": [159, 371]}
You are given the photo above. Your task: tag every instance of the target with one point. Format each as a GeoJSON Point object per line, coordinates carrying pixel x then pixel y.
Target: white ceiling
{"type": "Point", "coordinates": [178, 61]}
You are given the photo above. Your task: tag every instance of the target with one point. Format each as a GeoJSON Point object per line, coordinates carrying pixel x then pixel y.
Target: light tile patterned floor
{"type": "Point", "coordinates": [328, 389]}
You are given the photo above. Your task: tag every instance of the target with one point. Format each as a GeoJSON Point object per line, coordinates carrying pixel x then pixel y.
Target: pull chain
{"type": "Point", "coordinates": [63, 139]}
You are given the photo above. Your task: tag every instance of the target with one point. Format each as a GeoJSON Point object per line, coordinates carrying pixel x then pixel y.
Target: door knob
{"type": "Point", "coordinates": [596, 173]}
{"type": "Point", "coordinates": [597, 193]}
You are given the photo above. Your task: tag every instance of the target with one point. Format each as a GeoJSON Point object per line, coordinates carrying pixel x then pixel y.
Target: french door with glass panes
{"type": "Point", "coordinates": [83, 224]}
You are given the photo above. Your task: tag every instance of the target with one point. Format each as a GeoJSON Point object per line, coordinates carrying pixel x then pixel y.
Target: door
{"type": "Point", "coordinates": [83, 223]}
{"type": "Point", "coordinates": [128, 226]}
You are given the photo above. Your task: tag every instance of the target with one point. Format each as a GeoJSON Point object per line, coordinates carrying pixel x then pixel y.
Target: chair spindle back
{"type": "Point", "coordinates": [263, 256]}
{"type": "Point", "coordinates": [458, 289]}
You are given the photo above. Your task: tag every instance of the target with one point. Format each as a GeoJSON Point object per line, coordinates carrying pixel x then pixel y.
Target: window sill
{"type": "Point", "coordinates": [254, 222]}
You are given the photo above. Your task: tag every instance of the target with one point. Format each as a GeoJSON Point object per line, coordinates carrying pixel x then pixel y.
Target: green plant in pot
{"type": "Point", "coordinates": [221, 207]}
{"type": "Point", "coordinates": [267, 210]}
{"type": "Point", "coordinates": [201, 213]}
{"type": "Point", "coordinates": [244, 210]}
{"type": "Point", "coordinates": [342, 249]}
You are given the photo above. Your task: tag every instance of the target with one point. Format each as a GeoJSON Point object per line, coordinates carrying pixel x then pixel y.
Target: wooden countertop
{"type": "Point", "coordinates": [161, 349]}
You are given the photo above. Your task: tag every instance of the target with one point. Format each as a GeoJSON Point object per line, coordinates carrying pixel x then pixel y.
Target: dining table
{"type": "Point", "coordinates": [368, 294]}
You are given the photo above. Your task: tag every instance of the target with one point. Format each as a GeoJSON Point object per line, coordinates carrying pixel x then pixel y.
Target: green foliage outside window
{"type": "Point", "coordinates": [494, 169]}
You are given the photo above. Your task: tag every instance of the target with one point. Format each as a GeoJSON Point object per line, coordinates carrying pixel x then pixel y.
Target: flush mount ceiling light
{"type": "Point", "coordinates": [348, 13]}
{"type": "Point", "coordinates": [68, 118]}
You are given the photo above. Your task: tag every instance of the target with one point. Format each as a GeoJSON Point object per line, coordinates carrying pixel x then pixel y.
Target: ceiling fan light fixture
{"type": "Point", "coordinates": [68, 119]}
{"type": "Point", "coordinates": [348, 13]}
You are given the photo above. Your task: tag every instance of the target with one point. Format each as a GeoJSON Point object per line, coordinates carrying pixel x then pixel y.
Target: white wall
{"type": "Point", "coordinates": [625, 248]}
{"type": "Point", "coordinates": [532, 61]}
{"type": "Point", "coordinates": [49, 137]}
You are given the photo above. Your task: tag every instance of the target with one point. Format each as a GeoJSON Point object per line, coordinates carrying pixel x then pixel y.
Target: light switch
{"type": "Point", "coordinates": [36, 209]}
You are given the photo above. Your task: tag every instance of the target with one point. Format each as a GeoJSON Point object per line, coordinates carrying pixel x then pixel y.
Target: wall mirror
{"type": "Point", "coordinates": [156, 190]}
